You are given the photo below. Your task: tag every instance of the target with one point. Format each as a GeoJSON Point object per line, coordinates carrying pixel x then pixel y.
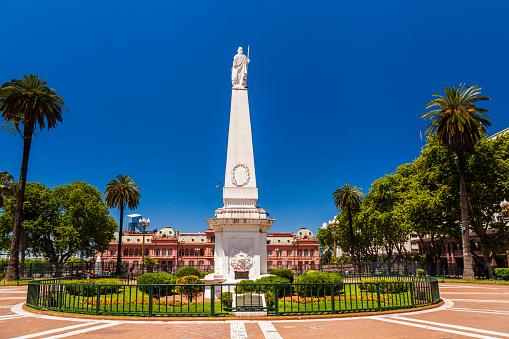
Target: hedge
{"type": "Point", "coordinates": [188, 270]}
{"type": "Point", "coordinates": [157, 279]}
{"type": "Point", "coordinates": [314, 277]}
{"type": "Point", "coordinates": [502, 273]}
{"type": "Point", "coordinates": [386, 285]}
{"type": "Point", "coordinates": [283, 273]}
{"type": "Point", "coordinates": [86, 287]}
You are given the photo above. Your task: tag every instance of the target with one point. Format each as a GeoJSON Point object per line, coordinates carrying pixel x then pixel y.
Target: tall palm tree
{"type": "Point", "coordinates": [121, 193]}
{"type": "Point", "coordinates": [458, 123]}
{"type": "Point", "coordinates": [27, 103]}
{"type": "Point", "coordinates": [347, 198]}
{"type": "Point", "coordinates": [5, 186]}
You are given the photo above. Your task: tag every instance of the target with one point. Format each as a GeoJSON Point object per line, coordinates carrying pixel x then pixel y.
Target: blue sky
{"type": "Point", "coordinates": [336, 91]}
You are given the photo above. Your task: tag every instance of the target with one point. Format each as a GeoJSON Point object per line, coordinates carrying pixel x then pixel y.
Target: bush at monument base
{"type": "Point", "coordinates": [190, 291]}
{"type": "Point", "coordinates": [283, 273]}
{"type": "Point", "coordinates": [502, 273]}
{"type": "Point", "coordinates": [226, 299]}
{"type": "Point", "coordinates": [188, 270]}
{"type": "Point", "coordinates": [157, 279]}
{"type": "Point", "coordinates": [314, 277]}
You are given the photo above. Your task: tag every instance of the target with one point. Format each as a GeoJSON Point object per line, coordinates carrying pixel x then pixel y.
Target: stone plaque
{"type": "Point", "coordinates": [241, 275]}
{"type": "Point", "coordinates": [249, 300]}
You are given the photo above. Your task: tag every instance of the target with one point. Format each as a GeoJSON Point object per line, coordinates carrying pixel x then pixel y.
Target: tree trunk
{"type": "Point", "coordinates": [352, 246]}
{"type": "Point", "coordinates": [468, 271]}
{"type": "Point", "coordinates": [487, 263]}
{"type": "Point", "coordinates": [118, 270]}
{"type": "Point", "coordinates": [13, 266]}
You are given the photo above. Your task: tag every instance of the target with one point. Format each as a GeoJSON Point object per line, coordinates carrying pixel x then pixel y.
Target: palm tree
{"type": "Point", "coordinates": [458, 123]}
{"type": "Point", "coordinates": [5, 186]}
{"type": "Point", "coordinates": [121, 193]}
{"type": "Point", "coordinates": [27, 103]}
{"type": "Point", "coordinates": [347, 198]}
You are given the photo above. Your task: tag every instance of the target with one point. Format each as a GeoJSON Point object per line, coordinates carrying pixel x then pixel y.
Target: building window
{"type": "Point", "coordinates": [279, 264]}
{"type": "Point", "coordinates": [278, 240]}
{"type": "Point", "coordinates": [269, 253]}
{"type": "Point", "coordinates": [157, 252]}
{"type": "Point", "coordinates": [269, 265]}
{"type": "Point", "coordinates": [191, 263]}
{"type": "Point", "coordinates": [164, 253]}
{"type": "Point", "coordinates": [192, 240]}
{"type": "Point", "coordinates": [288, 253]}
{"type": "Point", "coordinates": [170, 253]}
{"type": "Point", "coordinates": [312, 253]}
{"type": "Point", "coordinates": [148, 240]}
{"type": "Point", "coordinates": [202, 240]}
{"type": "Point", "coordinates": [300, 253]}
{"type": "Point", "coordinates": [138, 240]}
{"type": "Point", "coordinates": [128, 239]}
{"type": "Point", "coordinates": [112, 252]}
{"type": "Point", "coordinates": [305, 253]}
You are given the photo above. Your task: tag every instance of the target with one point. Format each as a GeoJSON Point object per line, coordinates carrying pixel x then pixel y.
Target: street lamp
{"type": "Point", "coordinates": [504, 205]}
{"type": "Point", "coordinates": [143, 223]}
{"type": "Point", "coordinates": [180, 245]}
{"type": "Point", "coordinates": [294, 243]}
{"type": "Point", "coordinates": [333, 225]}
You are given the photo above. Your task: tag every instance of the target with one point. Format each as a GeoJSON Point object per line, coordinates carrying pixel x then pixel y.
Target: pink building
{"type": "Point", "coordinates": [170, 247]}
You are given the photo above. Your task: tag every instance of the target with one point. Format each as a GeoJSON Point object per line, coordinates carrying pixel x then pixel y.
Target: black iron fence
{"type": "Point", "coordinates": [111, 297]}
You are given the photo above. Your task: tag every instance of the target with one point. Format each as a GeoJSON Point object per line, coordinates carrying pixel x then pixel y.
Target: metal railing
{"type": "Point", "coordinates": [123, 297]}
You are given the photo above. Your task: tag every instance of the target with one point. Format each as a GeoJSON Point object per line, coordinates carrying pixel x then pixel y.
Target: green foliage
{"type": "Point", "coordinates": [203, 274]}
{"type": "Point", "coordinates": [88, 287]}
{"type": "Point", "coordinates": [314, 277]}
{"type": "Point", "coordinates": [195, 286]}
{"type": "Point", "coordinates": [226, 299]}
{"type": "Point", "coordinates": [283, 273]}
{"type": "Point", "coordinates": [502, 273]}
{"type": "Point", "coordinates": [243, 286]}
{"type": "Point", "coordinates": [2, 275]}
{"type": "Point", "coordinates": [386, 285]}
{"type": "Point", "coordinates": [62, 222]}
{"type": "Point", "coordinates": [283, 285]}
{"type": "Point", "coordinates": [157, 279]}
{"type": "Point", "coordinates": [270, 300]}
{"type": "Point", "coordinates": [420, 272]}
{"type": "Point", "coordinates": [149, 261]}
{"type": "Point", "coordinates": [188, 270]}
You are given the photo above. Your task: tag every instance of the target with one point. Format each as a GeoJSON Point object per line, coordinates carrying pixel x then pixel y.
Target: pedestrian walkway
{"type": "Point", "coordinates": [475, 311]}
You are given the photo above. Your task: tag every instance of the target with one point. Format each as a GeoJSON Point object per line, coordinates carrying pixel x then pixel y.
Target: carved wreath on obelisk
{"type": "Point", "coordinates": [241, 262]}
{"type": "Point", "coordinates": [247, 175]}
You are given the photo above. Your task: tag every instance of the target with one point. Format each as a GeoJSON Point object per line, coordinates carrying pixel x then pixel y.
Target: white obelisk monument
{"type": "Point", "coordinates": [240, 226]}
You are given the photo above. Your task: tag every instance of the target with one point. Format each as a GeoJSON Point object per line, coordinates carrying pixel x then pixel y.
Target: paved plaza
{"type": "Point", "coordinates": [470, 310]}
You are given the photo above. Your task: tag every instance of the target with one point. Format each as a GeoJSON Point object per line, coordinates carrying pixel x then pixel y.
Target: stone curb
{"type": "Point", "coordinates": [163, 318]}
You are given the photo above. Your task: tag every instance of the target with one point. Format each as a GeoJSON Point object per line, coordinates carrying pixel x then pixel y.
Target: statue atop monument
{"type": "Point", "coordinates": [239, 69]}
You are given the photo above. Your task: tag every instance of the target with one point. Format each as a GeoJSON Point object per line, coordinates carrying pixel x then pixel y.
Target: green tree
{"type": "Point", "coordinates": [458, 123]}
{"type": "Point", "coordinates": [121, 193]}
{"type": "Point", "coordinates": [66, 221]}
{"type": "Point", "coordinates": [347, 198]}
{"type": "Point", "coordinates": [27, 103]}
{"type": "Point", "coordinates": [6, 186]}
{"type": "Point", "coordinates": [488, 183]}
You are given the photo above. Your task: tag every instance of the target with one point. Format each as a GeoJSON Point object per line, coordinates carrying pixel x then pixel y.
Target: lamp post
{"type": "Point", "coordinates": [333, 225]}
{"type": "Point", "coordinates": [277, 256]}
{"type": "Point", "coordinates": [294, 244]}
{"type": "Point", "coordinates": [180, 246]}
{"type": "Point", "coordinates": [144, 224]}
{"type": "Point", "coordinates": [504, 205]}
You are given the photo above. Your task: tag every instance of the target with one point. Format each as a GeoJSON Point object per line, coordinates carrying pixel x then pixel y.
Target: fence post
{"type": "Point", "coordinates": [98, 300]}
{"type": "Point", "coordinates": [276, 306]}
{"type": "Point", "coordinates": [412, 293]}
{"type": "Point", "coordinates": [378, 296]}
{"type": "Point", "coordinates": [150, 292]}
{"type": "Point", "coordinates": [60, 287]}
{"type": "Point", "coordinates": [38, 293]}
{"type": "Point", "coordinates": [212, 301]}
{"type": "Point", "coordinates": [332, 299]}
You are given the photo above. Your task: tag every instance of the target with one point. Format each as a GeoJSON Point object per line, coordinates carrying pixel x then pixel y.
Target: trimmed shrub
{"type": "Point", "coordinates": [420, 272]}
{"type": "Point", "coordinates": [283, 273]}
{"type": "Point", "coordinates": [245, 289]}
{"type": "Point", "coordinates": [88, 287]}
{"type": "Point", "coordinates": [226, 299]}
{"type": "Point", "coordinates": [502, 273]}
{"type": "Point", "coordinates": [269, 300]}
{"type": "Point", "coordinates": [284, 286]}
{"type": "Point", "coordinates": [194, 287]}
{"type": "Point", "coordinates": [314, 277]}
{"type": "Point", "coordinates": [188, 270]}
{"type": "Point", "coordinates": [386, 286]}
{"type": "Point", "coordinates": [157, 279]}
